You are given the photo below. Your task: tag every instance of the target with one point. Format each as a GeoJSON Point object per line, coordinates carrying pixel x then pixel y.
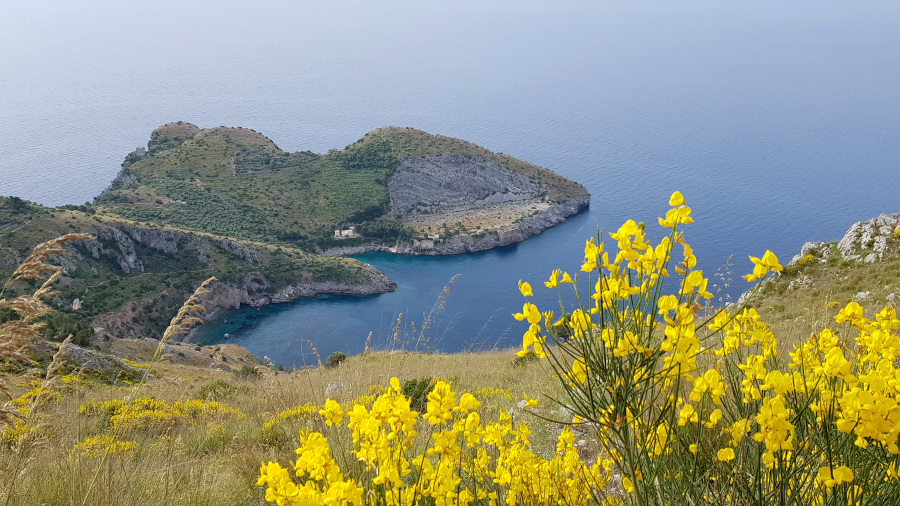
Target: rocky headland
{"type": "Point", "coordinates": [271, 226]}
{"type": "Point", "coordinates": [464, 203]}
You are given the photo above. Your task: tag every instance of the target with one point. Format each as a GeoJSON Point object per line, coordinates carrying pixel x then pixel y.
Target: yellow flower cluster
{"type": "Point", "coordinates": [10, 435]}
{"type": "Point", "coordinates": [708, 406]}
{"type": "Point", "coordinates": [462, 460]}
{"type": "Point", "coordinates": [35, 395]}
{"type": "Point", "coordinates": [134, 364]}
{"type": "Point", "coordinates": [488, 392]}
{"type": "Point", "coordinates": [103, 444]}
{"type": "Point", "coordinates": [147, 413]}
{"type": "Point", "coordinates": [301, 412]}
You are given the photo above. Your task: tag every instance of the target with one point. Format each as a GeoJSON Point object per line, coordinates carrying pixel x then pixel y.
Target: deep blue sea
{"type": "Point", "coordinates": [779, 121]}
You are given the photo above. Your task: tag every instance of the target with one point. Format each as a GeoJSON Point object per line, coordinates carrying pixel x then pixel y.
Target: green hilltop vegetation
{"type": "Point", "coordinates": [227, 202]}
{"type": "Point", "coordinates": [133, 278]}
{"type": "Point", "coordinates": [237, 183]}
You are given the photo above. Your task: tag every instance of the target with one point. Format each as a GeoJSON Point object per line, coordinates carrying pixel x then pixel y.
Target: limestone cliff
{"type": "Point", "coordinates": [865, 241]}
{"type": "Point", "coordinates": [477, 241]}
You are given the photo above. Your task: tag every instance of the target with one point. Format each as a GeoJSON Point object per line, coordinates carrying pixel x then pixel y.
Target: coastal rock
{"type": "Point", "coordinates": [86, 358]}
{"type": "Point", "coordinates": [867, 240]}
{"type": "Point", "coordinates": [466, 243]}
{"type": "Point", "coordinates": [127, 256]}
{"type": "Point", "coordinates": [441, 184]}
{"type": "Point", "coordinates": [224, 296]}
{"type": "Point", "coordinates": [240, 250]}
{"type": "Point", "coordinates": [821, 248]}
{"type": "Point", "coordinates": [165, 241]}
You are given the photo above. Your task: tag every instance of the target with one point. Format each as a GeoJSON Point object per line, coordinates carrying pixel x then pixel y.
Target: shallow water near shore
{"type": "Point", "coordinates": [779, 122]}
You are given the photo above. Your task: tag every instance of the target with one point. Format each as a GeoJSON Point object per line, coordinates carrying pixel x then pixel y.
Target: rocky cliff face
{"type": "Point", "coordinates": [152, 271]}
{"type": "Point", "coordinates": [442, 184]}
{"type": "Point", "coordinates": [465, 243]}
{"type": "Point", "coordinates": [865, 241]}
{"type": "Point", "coordinates": [231, 295]}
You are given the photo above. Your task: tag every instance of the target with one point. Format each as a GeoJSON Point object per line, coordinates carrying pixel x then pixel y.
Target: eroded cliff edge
{"type": "Point", "coordinates": [464, 203]}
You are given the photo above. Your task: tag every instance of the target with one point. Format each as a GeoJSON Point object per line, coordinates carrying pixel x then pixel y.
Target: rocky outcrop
{"type": "Point", "coordinates": [247, 291]}
{"type": "Point", "coordinates": [440, 184]}
{"type": "Point", "coordinates": [866, 241]}
{"type": "Point", "coordinates": [465, 243]}
{"type": "Point", "coordinates": [86, 359]}
{"type": "Point", "coordinates": [820, 250]}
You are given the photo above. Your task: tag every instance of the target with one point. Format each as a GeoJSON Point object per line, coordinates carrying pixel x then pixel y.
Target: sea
{"type": "Point", "coordinates": [778, 121]}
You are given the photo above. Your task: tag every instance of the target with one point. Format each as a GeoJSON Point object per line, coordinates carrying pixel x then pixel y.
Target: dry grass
{"type": "Point", "coordinates": [805, 299]}
{"type": "Point", "coordinates": [72, 440]}
{"type": "Point", "coordinates": [216, 462]}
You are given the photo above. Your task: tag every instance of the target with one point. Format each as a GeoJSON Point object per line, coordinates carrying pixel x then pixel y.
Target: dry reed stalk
{"type": "Point", "coordinates": [181, 322]}
{"type": "Point", "coordinates": [15, 334]}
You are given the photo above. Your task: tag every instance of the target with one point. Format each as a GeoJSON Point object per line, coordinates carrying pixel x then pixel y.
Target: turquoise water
{"type": "Point", "coordinates": [779, 122]}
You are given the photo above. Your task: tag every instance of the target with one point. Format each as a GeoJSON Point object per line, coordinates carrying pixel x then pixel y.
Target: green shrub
{"type": "Point", "coordinates": [335, 359]}
{"type": "Point", "coordinates": [417, 392]}
{"type": "Point", "coordinates": [247, 373]}
{"type": "Point", "coordinates": [218, 391]}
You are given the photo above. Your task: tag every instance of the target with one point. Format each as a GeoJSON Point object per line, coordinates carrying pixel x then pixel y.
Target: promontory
{"type": "Point", "coordinates": [271, 225]}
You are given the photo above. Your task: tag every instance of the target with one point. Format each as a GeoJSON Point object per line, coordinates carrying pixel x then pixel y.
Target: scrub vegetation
{"type": "Point", "coordinates": [146, 281]}
{"type": "Point", "coordinates": [641, 393]}
{"type": "Point", "coordinates": [236, 182]}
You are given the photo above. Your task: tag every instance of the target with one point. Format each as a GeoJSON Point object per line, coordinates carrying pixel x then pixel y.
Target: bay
{"type": "Point", "coordinates": [778, 122]}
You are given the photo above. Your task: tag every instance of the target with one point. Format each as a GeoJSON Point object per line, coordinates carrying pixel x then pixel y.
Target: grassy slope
{"type": "Point", "coordinates": [820, 290]}
{"type": "Point", "coordinates": [217, 461]}
{"type": "Point", "coordinates": [167, 468]}
{"type": "Point", "coordinates": [200, 188]}
{"type": "Point", "coordinates": [235, 182]}
{"type": "Point", "coordinates": [167, 279]}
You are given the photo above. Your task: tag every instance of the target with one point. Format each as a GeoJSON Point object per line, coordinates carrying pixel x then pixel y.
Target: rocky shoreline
{"type": "Point", "coordinates": [467, 243]}
{"type": "Point", "coordinates": [224, 296]}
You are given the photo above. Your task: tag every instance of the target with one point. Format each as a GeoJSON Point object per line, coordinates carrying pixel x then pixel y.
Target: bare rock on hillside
{"type": "Point", "coordinates": [86, 359]}
{"type": "Point", "coordinates": [867, 240]}
{"type": "Point", "coordinates": [441, 184]}
{"type": "Point", "coordinates": [822, 249]}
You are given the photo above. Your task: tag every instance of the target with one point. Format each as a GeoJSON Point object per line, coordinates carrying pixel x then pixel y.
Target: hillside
{"type": "Point", "coordinates": [195, 430]}
{"type": "Point", "coordinates": [398, 188]}
{"type": "Point", "coordinates": [864, 266]}
{"type": "Point", "coordinates": [132, 279]}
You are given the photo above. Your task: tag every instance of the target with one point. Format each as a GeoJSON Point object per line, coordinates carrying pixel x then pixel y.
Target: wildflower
{"type": "Point", "coordinates": [591, 253]}
{"type": "Point", "coordinates": [714, 418]}
{"type": "Point", "coordinates": [725, 455]}
{"type": "Point", "coordinates": [529, 312]}
{"type": "Point", "coordinates": [688, 414]}
{"type": "Point", "coordinates": [554, 279]}
{"type": "Point", "coordinates": [711, 382]}
{"type": "Point", "coordinates": [775, 428]}
{"type": "Point", "coordinates": [332, 413]}
{"type": "Point", "coordinates": [525, 288]}
{"type": "Point", "coordinates": [762, 266]}
{"type": "Point", "coordinates": [831, 477]}
{"type": "Point", "coordinates": [738, 430]}
{"type": "Point", "coordinates": [467, 403]}
{"type": "Point", "coordinates": [667, 303]}
{"type": "Point", "coordinates": [441, 402]}
{"type": "Point", "coordinates": [852, 313]}
{"type": "Point", "coordinates": [531, 403]}
{"type": "Point", "coordinates": [579, 371]}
